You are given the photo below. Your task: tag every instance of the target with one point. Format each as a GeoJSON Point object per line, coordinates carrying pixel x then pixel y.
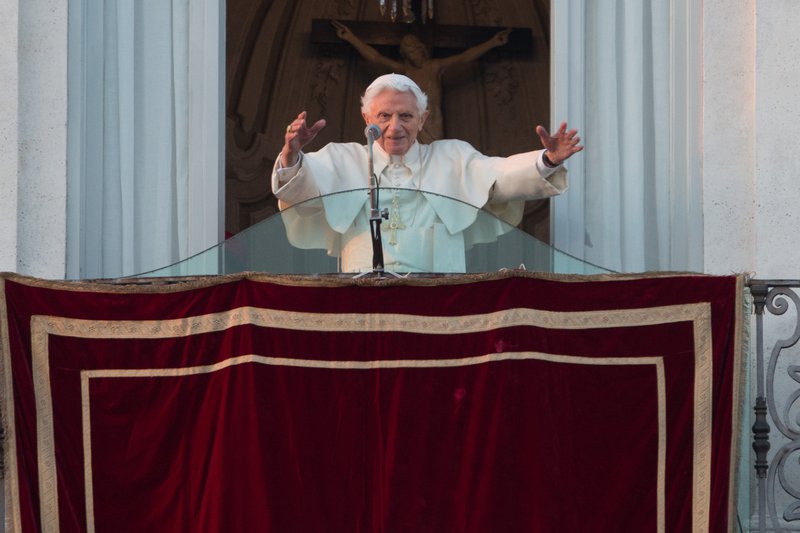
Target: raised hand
{"type": "Point", "coordinates": [561, 145]}
{"type": "Point", "coordinates": [342, 31]}
{"type": "Point", "coordinates": [501, 37]}
{"type": "Point", "coordinates": [298, 134]}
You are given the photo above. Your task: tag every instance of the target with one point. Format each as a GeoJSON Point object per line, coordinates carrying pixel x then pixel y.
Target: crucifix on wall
{"type": "Point", "coordinates": [416, 46]}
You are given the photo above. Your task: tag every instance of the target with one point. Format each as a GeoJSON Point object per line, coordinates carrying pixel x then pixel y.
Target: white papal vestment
{"type": "Point", "coordinates": [431, 232]}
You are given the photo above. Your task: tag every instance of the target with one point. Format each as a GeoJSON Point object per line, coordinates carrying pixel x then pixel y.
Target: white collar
{"type": "Point", "coordinates": [411, 159]}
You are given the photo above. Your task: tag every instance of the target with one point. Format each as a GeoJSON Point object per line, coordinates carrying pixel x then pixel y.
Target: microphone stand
{"type": "Point", "coordinates": [375, 214]}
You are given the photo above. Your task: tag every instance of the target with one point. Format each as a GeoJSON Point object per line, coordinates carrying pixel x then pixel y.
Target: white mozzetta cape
{"type": "Point", "coordinates": [439, 230]}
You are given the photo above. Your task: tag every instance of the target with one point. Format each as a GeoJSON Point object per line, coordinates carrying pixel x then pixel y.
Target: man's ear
{"type": "Point", "coordinates": [366, 120]}
{"type": "Point", "coordinates": [424, 118]}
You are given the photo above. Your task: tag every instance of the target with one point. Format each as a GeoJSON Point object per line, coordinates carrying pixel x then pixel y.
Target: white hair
{"type": "Point", "coordinates": [394, 82]}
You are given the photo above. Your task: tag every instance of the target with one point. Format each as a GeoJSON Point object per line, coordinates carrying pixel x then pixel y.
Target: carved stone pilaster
{"type": "Point", "coordinates": [500, 83]}
{"type": "Point", "coordinates": [347, 8]}
{"type": "Point", "coordinates": [484, 12]}
{"type": "Point", "coordinates": [328, 72]}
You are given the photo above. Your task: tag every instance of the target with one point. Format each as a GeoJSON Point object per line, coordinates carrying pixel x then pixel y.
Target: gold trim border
{"type": "Point", "coordinates": [187, 283]}
{"type": "Point", "coordinates": [698, 314]}
{"type": "Point", "coordinates": [738, 397]}
{"type": "Point", "coordinates": [13, 521]}
{"type": "Point", "coordinates": [657, 362]}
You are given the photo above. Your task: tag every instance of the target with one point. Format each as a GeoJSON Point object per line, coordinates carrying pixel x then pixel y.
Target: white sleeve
{"type": "Point", "coordinates": [282, 175]}
{"type": "Point", "coordinates": [291, 185]}
{"type": "Point", "coordinates": [544, 169]}
{"type": "Point", "coordinates": [526, 177]}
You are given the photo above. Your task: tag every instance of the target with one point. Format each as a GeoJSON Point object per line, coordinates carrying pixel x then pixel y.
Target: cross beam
{"type": "Point", "coordinates": [440, 37]}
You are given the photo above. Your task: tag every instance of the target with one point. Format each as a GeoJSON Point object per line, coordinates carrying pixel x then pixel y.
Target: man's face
{"type": "Point", "coordinates": [397, 115]}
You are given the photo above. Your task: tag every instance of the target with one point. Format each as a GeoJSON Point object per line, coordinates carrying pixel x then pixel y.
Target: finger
{"type": "Point", "coordinates": [318, 125]}
{"type": "Point", "coordinates": [562, 129]}
{"type": "Point", "coordinates": [308, 133]}
{"type": "Point", "coordinates": [541, 131]}
{"type": "Point", "coordinates": [297, 124]}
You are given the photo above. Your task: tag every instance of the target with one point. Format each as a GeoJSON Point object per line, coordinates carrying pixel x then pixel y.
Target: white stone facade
{"type": "Point", "coordinates": [749, 121]}
{"type": "Point", "coordinates": [33, 138]}
{"type": "Point", "coordinates": [750, 124]}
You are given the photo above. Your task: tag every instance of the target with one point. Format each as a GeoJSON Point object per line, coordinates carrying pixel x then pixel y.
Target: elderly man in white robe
{"type": "Point", "coordinates": [427, 231]}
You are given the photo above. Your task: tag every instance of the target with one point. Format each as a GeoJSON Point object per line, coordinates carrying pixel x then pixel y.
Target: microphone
{"type": "Point", "coordinates": [372, 132]}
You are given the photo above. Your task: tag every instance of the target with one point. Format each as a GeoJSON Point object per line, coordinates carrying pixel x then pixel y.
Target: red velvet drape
{"type": "Point", "coordinates": [502, 403]}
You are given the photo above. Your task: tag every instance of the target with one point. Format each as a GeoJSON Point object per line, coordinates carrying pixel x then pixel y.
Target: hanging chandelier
{"type": "Point", "coordinates": [404, 10]}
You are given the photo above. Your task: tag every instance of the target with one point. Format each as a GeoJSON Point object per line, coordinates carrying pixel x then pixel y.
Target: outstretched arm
{"type": "Point", "coordinates": [561, 145]}
{"type": "Point", "coordinates": [298, 134]}
{"type": "Point", "coordinates": [367, 52]}
{"type": "Point", "coordinates": [471, 54]}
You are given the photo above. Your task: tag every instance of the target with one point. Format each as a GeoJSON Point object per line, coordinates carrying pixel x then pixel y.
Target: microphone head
{"type": "Point", "coordinates": [372, 132]}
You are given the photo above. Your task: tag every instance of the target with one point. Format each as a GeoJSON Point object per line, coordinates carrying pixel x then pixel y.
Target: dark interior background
{"type": "Point", "coordinates": [278, 66]}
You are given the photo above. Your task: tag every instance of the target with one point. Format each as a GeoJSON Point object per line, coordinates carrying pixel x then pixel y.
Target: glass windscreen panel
{"type": "Point", "coordinates": [423, 232]}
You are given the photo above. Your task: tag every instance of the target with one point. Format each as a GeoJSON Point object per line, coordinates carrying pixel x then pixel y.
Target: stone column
{"type": "Point", "coordinates": [33, 121]}
{"type": "Point", "coordinates": [775, 136]}
{"type": "Point", "coordinates": [728, 121]}
{"type": "Point", "coordinates": [9, 134]}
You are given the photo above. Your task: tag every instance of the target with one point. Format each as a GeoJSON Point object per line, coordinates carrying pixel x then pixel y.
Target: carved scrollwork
{"type": "Point", "coordinates": [327, 72]}
{"type": "Point", "coordinates": [792, 512]}
{"type": "Point", "coordinates": [346, 8]}
{"type": "Point", "coordinates": [779, 301]}
{"type": "Point", "coordinates": [482, 10]}
{"type": "Point", "coordinates": [501, 83]}
{"type": "Point", "coordinates": [788, 482]}
{"type": "Point", "coordinates": [776, 300]}
{"type": "Point", "coordinates": [794, 372]}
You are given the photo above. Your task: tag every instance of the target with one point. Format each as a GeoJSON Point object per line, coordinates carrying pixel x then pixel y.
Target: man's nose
{"type": "Point", "coordinates": [394, 122]}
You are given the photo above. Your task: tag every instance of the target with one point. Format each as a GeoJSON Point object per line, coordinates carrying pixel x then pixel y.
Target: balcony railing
{"type": "Point", "coordinates": [775, 502]}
